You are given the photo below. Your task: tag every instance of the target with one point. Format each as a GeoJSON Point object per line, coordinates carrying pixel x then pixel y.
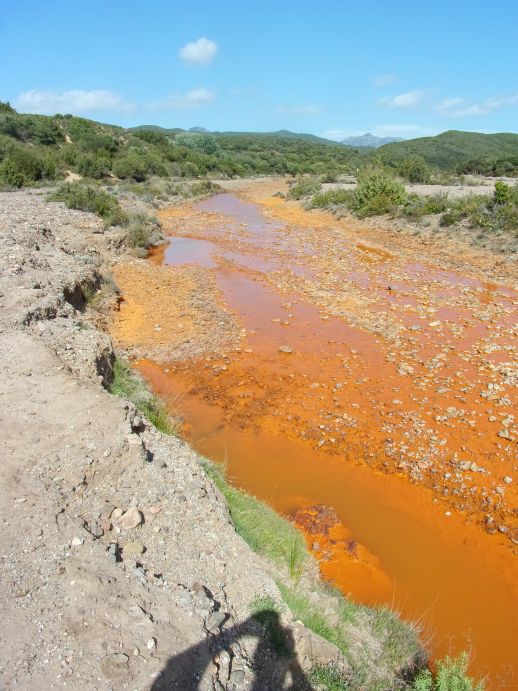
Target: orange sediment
{"type": "Point", "coordinates": [393, 408]}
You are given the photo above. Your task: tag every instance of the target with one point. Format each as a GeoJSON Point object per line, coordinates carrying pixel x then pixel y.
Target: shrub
{"type": "Point", "coordinates": [197, 189]}
{"type": "Point", "coordinates": [451, 675]}
{"type": "Point", "coordinates": [325, 200]}
{"type": "Point", "coordinates": [6, 107]}
{"type": "Point", "coordinates": [130, 166]}
{"type": "Point", "coordinates": [143, 231]}
{"type": "Point", "coordinates": [10, 173]}
{"type": "Point", "coordinates": [304, 187]}
{"type": "Point", "coordinates": [78, 195]}
{"type": "Point", "coordinates": [415, 170]}
{"type": "Point", "coordinates": [92, 166]}
{"type": "Point", "coordinates": [502, 193]}
{"type": "Point", "coordinates": [377, 192]}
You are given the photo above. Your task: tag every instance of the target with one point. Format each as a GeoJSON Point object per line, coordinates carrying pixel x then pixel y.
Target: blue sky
{"type": "Point", "coordinates": [331, 68]}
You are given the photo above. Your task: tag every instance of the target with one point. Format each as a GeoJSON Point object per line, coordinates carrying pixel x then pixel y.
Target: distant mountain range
{"type": "Point", "coordinates": [370, 140]}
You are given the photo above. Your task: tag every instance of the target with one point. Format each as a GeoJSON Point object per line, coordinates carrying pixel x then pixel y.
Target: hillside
{"type": "Point", "coordinates": [36, 148]}
{"type": "Point", "coordinates": [453, 149]}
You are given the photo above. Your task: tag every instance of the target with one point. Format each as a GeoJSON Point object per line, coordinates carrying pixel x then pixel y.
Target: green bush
{"type": "Point", "coordinates": [78, 195]}
{"type": "Point", "coordinates": [10, 174]}
{"type": "Point", "coordinates": [304, 187]}
{"type": "Point", "coordinates": [143, 231]}
{"type": "Point", "coordinates": [377, 192]}
{"type": "Point", "coordinates": [130, 166]}
{"type": "Point", "coordinates": [502, 193]}
{"type": "Point", "coordinates": [415, 170]}
{"type": "Point", "coordinates": [92, 166]}
{"type": "Point", "coordinates": [451, 675]}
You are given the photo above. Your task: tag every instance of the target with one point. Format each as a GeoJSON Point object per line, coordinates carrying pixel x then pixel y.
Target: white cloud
{"type": "Point", "coordinates": [383, 79]}
{"type": "Point", "coordinates": [200, 52]}
{"type": "Point", "coordinates": [196, 98]}
{"type": "Point", "coordinates": [73, 101]}
{"type": "Point", "coordinates": [459, 107]}
{"type": "Point", "coordinates": [300, 110]}
{"type": "Point", "coordinates": [407, 100]}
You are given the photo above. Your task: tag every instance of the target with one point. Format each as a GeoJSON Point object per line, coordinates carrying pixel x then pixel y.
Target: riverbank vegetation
{"type": "Point", "coordinates": [381, 192]}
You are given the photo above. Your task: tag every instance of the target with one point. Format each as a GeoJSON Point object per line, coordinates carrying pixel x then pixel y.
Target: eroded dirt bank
{"type": "Point", "coordinates": [375, 378]}
{"type": "Point", "coordinates": [120, 566]}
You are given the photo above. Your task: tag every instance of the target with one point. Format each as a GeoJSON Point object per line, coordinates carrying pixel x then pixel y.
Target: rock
{"type": "Point", "coordinates": [133, 549]}
{"type": "Point", "coordinates": [503, 529]}
{"type": "Point", "coordinates": [237, 677]}
{"type": "Point", "coordinates": [113, 552]}
{"type": "Point", "coordinates": [151, 644]}
{"type": "Point", "coordinates": [215, 621]}
{"type": "Point", "coordinates": [116, 514]}
{"type": "Point", "coordinates": [285, 349]}
{"type": "Point", "coordinates": [131, 519]}
{"type": "Point", "coordinates": [508, 480]}
{"type": "Point", "coordinates": [95, 529]}
{"type": "Point", "coordinates": [77, 541]}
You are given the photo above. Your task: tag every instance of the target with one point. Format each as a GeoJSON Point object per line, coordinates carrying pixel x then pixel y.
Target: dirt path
{"type": "Point", "coordinates": [361, 346]}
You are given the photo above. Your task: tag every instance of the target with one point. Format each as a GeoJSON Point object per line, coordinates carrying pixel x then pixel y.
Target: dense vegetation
{"type": "Point", "coordinates": [462, 152]}
{"type": "Point", "coordinates": [37, 148]}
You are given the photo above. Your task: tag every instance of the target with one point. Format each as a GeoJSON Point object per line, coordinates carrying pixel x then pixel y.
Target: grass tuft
{"type": "Point", "coordinates": [328, 678]}
{"type": "Point", "coordinates": [129, 384]}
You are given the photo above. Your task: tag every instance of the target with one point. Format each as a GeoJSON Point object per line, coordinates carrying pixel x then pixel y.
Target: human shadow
{"type": "Point", "coordinates": [275, 666]}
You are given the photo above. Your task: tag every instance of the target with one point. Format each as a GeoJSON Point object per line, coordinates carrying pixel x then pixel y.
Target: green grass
{"type": "Point", "coordinates": [312, 617]}
{"type": "Point", "coordinates": [261, 527]}
{"type": "Point", "coordinates": [328, 678]}
{"type": "Point", "coordinates": [128, 384]}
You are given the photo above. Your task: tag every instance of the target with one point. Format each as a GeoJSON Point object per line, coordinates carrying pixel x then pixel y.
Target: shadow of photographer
{"type": "Point", "coordinates": [275, 666]}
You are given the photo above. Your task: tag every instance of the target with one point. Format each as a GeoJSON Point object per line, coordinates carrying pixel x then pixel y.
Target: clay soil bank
{"type": "Point", "coordinates": [358, 379]}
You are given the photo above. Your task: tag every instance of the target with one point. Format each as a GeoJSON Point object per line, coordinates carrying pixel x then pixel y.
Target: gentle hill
{"type": "Point", "coordinates": [453, 149]}
{"type": "Point", "coordinates": [370, 140]}
{"type": "Point", "coordinates": [39, 148]}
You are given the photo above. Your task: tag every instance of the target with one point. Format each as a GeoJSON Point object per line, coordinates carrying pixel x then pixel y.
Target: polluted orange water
{"type": "Point", "coordinates": [316, 416]}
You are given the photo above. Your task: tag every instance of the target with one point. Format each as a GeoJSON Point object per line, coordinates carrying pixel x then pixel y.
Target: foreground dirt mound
{"type": "Point", "coordinates": [120, 565]}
